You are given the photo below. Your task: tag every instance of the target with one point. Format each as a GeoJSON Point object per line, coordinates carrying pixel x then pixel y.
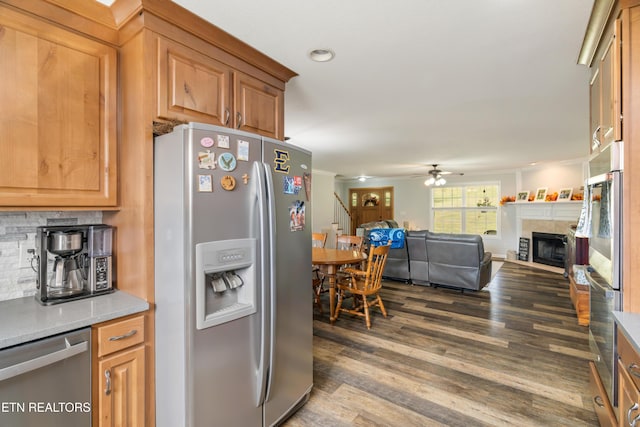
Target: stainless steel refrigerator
{"type": "Point", "coordinates": [233, 331]}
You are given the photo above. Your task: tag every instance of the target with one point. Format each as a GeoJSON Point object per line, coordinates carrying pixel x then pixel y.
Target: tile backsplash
{"type": "Point", "coordinates": [18, 230]}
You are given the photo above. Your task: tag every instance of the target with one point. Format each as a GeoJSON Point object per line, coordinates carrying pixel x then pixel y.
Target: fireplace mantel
{"type": "Point", "coordinates": [553, 211]}
{"type": "Point", "coordinates": [546, 217]}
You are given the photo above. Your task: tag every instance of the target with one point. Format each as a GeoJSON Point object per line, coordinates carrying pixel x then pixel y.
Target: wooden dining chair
{"type": "Point", "coordinates": [349, 242]}
{"type": "Point", "coordinates": [362, 285]}
{"type": "Point", "coordinates": [346, 241]}
{"type": "Point", "coordinates": [318, 240]}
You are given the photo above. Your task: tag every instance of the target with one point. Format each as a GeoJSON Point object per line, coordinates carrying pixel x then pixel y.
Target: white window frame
{"type": "Point", "coordinates": [466, 209]}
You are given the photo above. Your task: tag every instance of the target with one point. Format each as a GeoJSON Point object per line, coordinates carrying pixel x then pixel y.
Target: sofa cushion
{"type": "Point", "coordinates": [458, 260]}
{"type": "Point", "coordinates": [418, 260]}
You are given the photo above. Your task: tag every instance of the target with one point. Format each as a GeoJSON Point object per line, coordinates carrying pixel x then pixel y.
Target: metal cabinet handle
{"type": "Point", "coordinates": [107, 376]}
{"type": "Point", "coordinates": [594, 138]}
{"type": "Point", "coordinates": [634, 370]}
{"type": "Point", "coordinates": [45, 360]}
{"type": "Point", "coordinates": [239, 120]}
{"type": "Point", "coordinates": [227, 116]}
{"type": "Point", "coordinates": [598, 401]}
{"type": "Point", "coordinates": [121, 337]}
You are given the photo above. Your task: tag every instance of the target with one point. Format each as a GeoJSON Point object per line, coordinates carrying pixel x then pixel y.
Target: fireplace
{"type": "Point", "coordinates": [548, 248]}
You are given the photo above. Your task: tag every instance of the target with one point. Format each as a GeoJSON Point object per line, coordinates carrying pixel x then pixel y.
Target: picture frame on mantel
{"type": "Point", "coordinates": [541, 194]}
{"type": "Point", "coordinates": [523, 196]}
{"type": "Point", "coordinates": [565, 194]}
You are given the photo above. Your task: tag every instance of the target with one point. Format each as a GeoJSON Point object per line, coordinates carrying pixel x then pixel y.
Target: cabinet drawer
{"type": "Point", "coordinates": [601, 403]}
{"type": "Point", "coordinates": [629, 359]}
{"type": "Point", "coordinates": [120, 334]}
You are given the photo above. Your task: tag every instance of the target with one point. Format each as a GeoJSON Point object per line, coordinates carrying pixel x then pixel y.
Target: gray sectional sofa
{"type": "Point", "coordinates": [438, 259]}
{"type": "Point", "coordinates": [452, 260]}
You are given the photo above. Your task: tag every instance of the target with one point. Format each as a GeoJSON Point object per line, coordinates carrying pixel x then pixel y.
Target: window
{"type": "Point", "coordinates": [471, 209]}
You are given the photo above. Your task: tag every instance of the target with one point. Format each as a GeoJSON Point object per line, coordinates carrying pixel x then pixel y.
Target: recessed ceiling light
{"type": "Point", "coordinates": [321, 55]}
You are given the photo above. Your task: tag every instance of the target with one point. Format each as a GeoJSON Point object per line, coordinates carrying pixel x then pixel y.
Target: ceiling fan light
{"type": "Point", "coordinates": [430, 181]}
{"type": "Point", "coordinates": [440, 181]}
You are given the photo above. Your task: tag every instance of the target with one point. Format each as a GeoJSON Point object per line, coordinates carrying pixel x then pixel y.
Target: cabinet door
{"type": "Point", "coordinates": [594, 111]}
{"type": "Point", "coordinates": [121, 398]}
{"type": "Point", "coordinates": [628, 398]}
{"type": "Point", "coordinates": [601, 404]}
{"type": "Point", "coordinates": [192, 86]}
{"type": "Point", "coordinates": [57, 116]}
{"type": "Point", "coordinates": [258, 106]}
{"type": "Point", "coordinates": [611, 90]}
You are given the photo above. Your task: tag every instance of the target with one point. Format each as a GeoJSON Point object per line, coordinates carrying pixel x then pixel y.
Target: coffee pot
{"type": "Point", "coordinates": [67, 278]}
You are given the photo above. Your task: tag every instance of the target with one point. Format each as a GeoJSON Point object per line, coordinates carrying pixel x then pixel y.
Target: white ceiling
{"type": "Point", "coordinates": [473, 85]}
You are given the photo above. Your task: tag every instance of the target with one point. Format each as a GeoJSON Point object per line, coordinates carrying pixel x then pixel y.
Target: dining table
{"type": "Point", "coordinates": [333, 259]}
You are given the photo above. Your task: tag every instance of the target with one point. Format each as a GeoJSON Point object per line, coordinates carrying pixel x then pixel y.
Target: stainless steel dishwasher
{"type": "Point", "coordinates": [47, 382]}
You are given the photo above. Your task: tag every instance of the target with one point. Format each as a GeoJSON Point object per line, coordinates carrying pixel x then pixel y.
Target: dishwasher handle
{"type": "Point", "coordinates": [47, 359]}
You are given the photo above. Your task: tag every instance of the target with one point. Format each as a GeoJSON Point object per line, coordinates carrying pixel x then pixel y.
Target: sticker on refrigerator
{"type": "Point", "coordinates": [227, 162]}
{"type": "Point", "coordinates": [206, 160]}
{"type": "Point", "coordinates": [243, 150]}
{"type": "Point", "coordinates": [205, 184]}
{"type": "Point", "coordinates": [281, 161]}
{"type": "Point", "coordinates": [296, 213]}
{"type": "Point", "coordinates": [206, 142]}
{"type": "Point", "coordinates": [223, 141]}
{"type": "Point", "coordinates": [289, 186]}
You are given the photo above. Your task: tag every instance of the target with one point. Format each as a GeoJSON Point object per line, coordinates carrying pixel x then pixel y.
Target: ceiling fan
{"type": "Point", "coordinates": [435, 176]}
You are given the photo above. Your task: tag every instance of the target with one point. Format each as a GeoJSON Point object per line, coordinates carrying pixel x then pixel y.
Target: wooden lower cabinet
{"type": "Point", "coordinates": [119, 373]}
{"type": "Point", "coordinates": [580, 298]}
{"type": "Point", "coordinates": [601, 404]}
{"type": "Point", "coordinates": [628, 382]}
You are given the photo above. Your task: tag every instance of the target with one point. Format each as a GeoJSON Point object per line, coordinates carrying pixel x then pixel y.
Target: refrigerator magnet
{"type": "Point", "coordinates": [223, 141]}
{"type": "Point", "coordinates": [245, 178]}
{"type": "Point", "coordinates": [288, 185]}
{"type": "Point", "coordinates": [228, 182]}
{"type": "Point", "coordinates": [206, 142]}
{"type": "Point", "coordinates": [296, 215]}
{"type": "Point", "coordinates": [206, 160]}
{"type": "Point", "coordinates": [205, 184]}
{"type": "Point", "coordinates": [227, 162]}
{"type": "Point", "coordinates": [243, 150]}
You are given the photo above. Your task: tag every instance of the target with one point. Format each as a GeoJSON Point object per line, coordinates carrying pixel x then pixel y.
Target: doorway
{"type": "Point", "coordinates": [370, 204]}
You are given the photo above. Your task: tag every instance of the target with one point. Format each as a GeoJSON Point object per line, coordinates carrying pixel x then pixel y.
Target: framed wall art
{"type": "Point", "coordinates": [565, 194]}
{"type": "Point", "coordinates": [541, 194]}
{"type": "Point", "coordinates": [523, 196]}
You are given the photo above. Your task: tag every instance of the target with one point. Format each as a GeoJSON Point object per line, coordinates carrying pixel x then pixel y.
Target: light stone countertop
{"type": "Point", "coordinates": [24, 319]}
{"type": "Point", "coordinates": [630, 325]}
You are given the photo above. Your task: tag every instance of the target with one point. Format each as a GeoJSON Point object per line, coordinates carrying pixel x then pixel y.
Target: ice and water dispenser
{"type": "Point", "coordinates": [225, 281]}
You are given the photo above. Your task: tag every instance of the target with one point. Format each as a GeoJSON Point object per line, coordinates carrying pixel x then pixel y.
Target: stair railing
{"type": "Point", "coordinates": [341, 216]}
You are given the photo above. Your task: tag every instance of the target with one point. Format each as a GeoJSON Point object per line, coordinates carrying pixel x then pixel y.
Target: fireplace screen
{"type": "Point", "coordinates": [549, 248]}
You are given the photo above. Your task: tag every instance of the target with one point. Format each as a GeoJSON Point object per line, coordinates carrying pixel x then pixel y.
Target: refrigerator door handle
{"type": "Point", "coordinates": [261, 195]}
{"type": "Point", "coordinates": [271, 203]}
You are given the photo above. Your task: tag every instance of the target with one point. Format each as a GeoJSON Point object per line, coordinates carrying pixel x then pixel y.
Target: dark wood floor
{"type": "Point", "coordinates": [512, 354]}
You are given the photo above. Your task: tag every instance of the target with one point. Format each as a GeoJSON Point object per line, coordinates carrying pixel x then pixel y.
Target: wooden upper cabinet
{"type": "Point", "coordinates": [594, 111]}
{"type": "Point", "coordinates": [57, 116]}
{"type": "Point", "coordinates": [195, 87]}
{"type": "Point", "coordinates": [606, 91]}
{"type": "Point", "coordinates": [258, 107]}
{"type": "Point", "coordinates": [192, 86]}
